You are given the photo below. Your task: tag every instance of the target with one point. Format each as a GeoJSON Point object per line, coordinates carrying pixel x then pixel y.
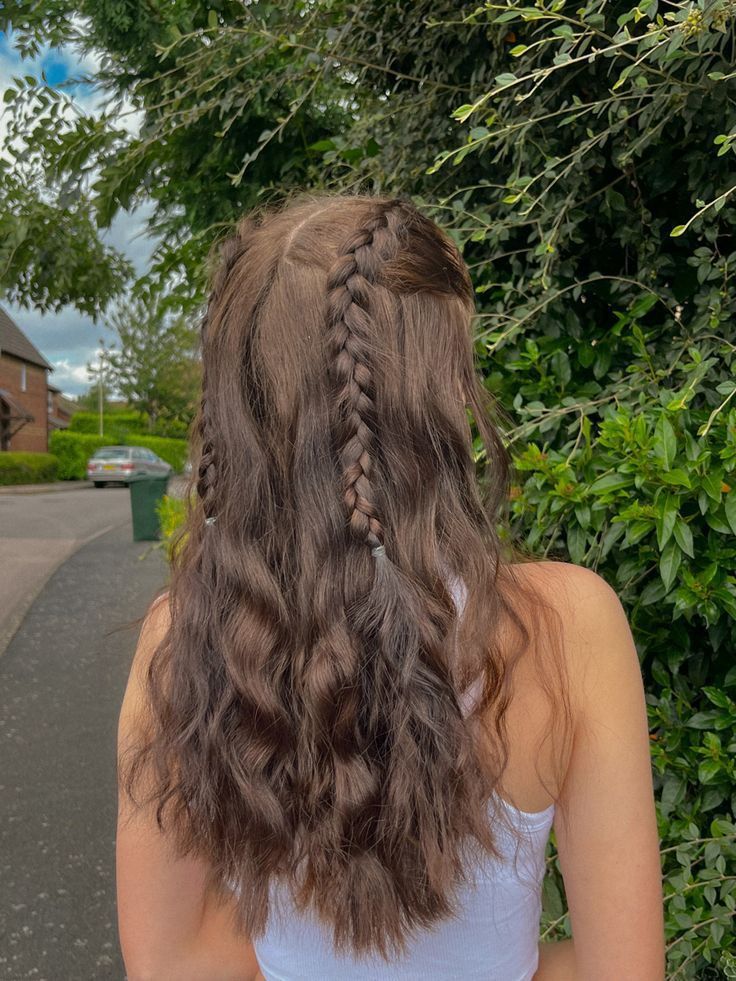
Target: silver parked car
{"type": "Point", "coordinates": [113, 464]}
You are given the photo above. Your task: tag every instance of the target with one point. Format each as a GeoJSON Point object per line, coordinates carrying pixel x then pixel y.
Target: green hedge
{"type": "Point", "coordinates": [74, 449]}
{"type": "Point", "coordinates": [117, 425]}
{"type": "Point", "coordinates": [174, 451]}
{"type": "Point", "coordinates": [27, 468]}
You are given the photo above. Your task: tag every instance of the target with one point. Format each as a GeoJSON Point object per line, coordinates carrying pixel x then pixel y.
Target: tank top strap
{"type": "Point", "coordinates": [470, 697]}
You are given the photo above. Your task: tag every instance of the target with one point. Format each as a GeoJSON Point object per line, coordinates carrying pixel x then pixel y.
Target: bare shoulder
{"type": "Point", "coordinates": [153, 630]}
{"type": "Point", "coordinates": [595, 632]}
{"type": "Point", "coordinates": [155, 625]}
{"type": "Point", "coordinates": [566, 583]}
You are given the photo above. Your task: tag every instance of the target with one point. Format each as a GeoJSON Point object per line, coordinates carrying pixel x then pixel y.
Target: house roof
{"type": "Point", "coordinates": [63, 404]}
{"type": "Point", "coordinates": [14, 341]}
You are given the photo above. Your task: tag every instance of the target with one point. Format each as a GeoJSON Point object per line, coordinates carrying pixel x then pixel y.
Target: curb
{"type": "Point", "coordinates": [9, 628]}
{"type": "Point", "coordinates": [55, 488]}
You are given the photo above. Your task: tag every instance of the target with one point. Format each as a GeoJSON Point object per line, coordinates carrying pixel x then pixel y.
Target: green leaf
{"type": "Point", "coordinates": [518, 50]}
{"type": "Point", "coordinates": [712, 482]}
{"type": "Point", "coordinates": [709, 770]}
{"type": "Point", "coordinates": [637, 530]}
{"type": "Point", "coordinates": [322, 145]}
{"type": "Point", "coordinates": [611, 482]}
{"type": "Point", "coordinates": [652, 592]}
{"type": "Point", "coordinates": [669, 563]}
{"type": "Point", "coordinates": [717, 697]}
{"type": "Point", "coordinates": [676, 477]}
{"type": "Point", "coordinates": [665, 441]}
{"type": "Point", "coordinates": [701, 720]}
{"type": "Point", "coordinates": [507, 16]}
{"type": "Point", "coordinates": [684, 537]}
{"type": "Point", "coordinates": [665, 519]}
{"type": "Point", "coordinates": [577, 540]}
{"type": "Point", "coordinates": [462, 113]}
{"type": "Point", "coordinates": [677, 230]}
{"type": "Point", "coordinates": [730, 508]}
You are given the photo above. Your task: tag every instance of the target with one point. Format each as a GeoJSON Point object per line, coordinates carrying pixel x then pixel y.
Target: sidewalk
{"type": "Point", "coordinates": [56, 487]}
{"type": "Point", "coordinates": [61, 685]}
{"type": "Point", "coordinates": [177, 484]}
{"type": "Point", "coordinates": [38, 532]}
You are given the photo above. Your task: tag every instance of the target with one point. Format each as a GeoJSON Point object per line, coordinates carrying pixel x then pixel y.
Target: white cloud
{"type": "Point", "coordinates": [71, 379]}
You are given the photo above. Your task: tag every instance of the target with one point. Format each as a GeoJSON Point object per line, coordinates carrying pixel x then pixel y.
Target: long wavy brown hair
{"type": "Point", "coordinates": [305, 717]}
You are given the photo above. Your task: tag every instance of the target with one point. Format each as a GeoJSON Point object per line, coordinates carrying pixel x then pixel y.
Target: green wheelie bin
{"type": "Point", "coordinates": [145, 493]}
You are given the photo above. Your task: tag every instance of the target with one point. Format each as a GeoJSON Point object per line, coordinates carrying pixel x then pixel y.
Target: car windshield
{"type": "Point", "coordinates": [112, 453]}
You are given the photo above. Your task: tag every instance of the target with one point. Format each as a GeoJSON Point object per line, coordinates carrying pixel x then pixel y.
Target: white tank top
{"type": "Point", "coordinates": [494, 936]}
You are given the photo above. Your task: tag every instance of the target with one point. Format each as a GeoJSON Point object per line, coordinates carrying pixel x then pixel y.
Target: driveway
{"type": "Point", "coordinates": [39, 531]}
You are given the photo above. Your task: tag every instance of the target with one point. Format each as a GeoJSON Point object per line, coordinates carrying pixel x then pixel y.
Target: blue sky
{"type": "Point", "coordinates": [68, 339]}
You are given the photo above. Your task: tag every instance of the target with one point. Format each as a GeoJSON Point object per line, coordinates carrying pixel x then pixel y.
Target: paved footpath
{"type": "Point", "coordinates": [39, 529]}
{"type": "Point", "coordinates": [62, 679]}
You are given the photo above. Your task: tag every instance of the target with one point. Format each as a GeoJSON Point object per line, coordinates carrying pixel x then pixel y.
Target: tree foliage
{"type": "Point", "coordinates": [204, 111]}
{"type": "Point", "coordinates": [156, 367]}
{"type": "Point", "coordinates": [582, 157]}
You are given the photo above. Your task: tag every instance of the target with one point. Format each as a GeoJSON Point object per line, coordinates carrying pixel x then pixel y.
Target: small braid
{"type": "Point", "coordinates": [231, 251]}
{"type": "Point", "coordinates": [350, 285]}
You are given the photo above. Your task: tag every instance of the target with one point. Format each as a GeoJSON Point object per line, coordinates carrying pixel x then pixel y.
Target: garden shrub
{"type": "Point", "coordinates": [27, 468]}
{"type": "Point", "coordinates": [171, 512]}
{"type": "Point", "coordinates": [73, 450]}
{"type": "Point", "coordinates": [602, 252]}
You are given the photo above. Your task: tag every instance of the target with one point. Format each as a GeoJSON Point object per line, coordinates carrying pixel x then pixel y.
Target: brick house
{"type": "Point", "coordinates": [60, 409]}
{"type": "Point", "coordinates": [24, 395]}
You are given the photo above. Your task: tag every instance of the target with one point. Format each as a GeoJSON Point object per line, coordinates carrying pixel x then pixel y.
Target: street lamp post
{"type": "Point", "coordinates": [100, 401]}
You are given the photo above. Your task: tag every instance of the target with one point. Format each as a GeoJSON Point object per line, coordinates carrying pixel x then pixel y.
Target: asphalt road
{"type": "Point", "coordinates": [62, 679]}
{"type": "Point", "coordinates": [38, 531]}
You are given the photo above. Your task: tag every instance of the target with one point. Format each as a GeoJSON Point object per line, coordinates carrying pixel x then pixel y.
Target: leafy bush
{"type": "Point", "coordinates": [120, 424]}
{"type": "Point", "coordinates": [172, 428]}
{"type": "Point", "coordinates": [602, 254]}
{"type": "Point", "coordinates": [174, 451]}
{"type": "Point", "coordinates": [27, 468]}
{"type": "Point", "coordinates": [73, 450]}
{"type": "Point", "coordinates": [171, 512]}
{"type": "Point", "coordinates": [116, 425]}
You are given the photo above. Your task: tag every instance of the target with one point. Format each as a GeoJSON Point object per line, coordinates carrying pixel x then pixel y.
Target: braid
{"type": "Point", "coordinates": [350, 285]}
{"type": "Point", "coordinates": [231, 251]}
